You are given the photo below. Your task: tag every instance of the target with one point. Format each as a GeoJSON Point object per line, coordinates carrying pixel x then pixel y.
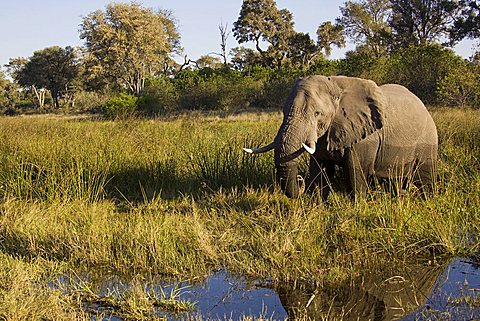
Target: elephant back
{"type": "Point", "coordinates": [406, 116]}
{"type": "Point", "coordinates": [409, 134]}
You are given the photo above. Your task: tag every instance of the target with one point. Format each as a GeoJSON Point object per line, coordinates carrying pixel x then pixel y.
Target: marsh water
{"type": "Point", "coordinates": [447, 292]}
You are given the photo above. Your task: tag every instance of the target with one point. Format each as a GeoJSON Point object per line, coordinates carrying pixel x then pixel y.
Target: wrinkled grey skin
{"type": "Point", "coordinates": [370, 131]}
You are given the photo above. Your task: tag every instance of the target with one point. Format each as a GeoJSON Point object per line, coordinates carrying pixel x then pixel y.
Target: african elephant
{"type": "Point", "coordinates": [368, 130]}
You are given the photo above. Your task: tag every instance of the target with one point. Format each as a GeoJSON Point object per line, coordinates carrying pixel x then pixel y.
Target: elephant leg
{"type": "Point", "coordinates": [358, 166]}
{"type": "Point", "coordinates": [425, 176]}
{"type": "Point", "coordinates": [320, 178]}
{"type": "Point", "coordinates": [426, 169]}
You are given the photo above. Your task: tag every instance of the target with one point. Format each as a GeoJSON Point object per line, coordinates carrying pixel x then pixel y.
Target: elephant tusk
{"type": "Point", "coordinates": [260, 149]}
{"type": "Point", "coordinates": [310, 150]}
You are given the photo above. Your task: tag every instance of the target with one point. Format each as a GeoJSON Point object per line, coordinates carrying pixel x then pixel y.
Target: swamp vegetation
{"type": "Point", "coordinates": [177, 198]}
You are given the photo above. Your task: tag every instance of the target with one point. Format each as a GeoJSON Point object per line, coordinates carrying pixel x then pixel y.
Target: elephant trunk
{"type": "Point", "coordinates": [287, 150]}
{"type": "Point", "coordinates": [286, 175]}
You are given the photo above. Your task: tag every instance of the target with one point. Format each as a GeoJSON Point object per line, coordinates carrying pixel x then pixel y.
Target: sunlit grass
{"type": "Point", "coordinates": [178, 197]}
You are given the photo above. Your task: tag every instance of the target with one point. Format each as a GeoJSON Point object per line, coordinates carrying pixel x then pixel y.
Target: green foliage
{"type": "Point", "coordinates": [422, 22]}
{"type": "Point", "coordinates": [120, 107]}
{"type": "Point", "coordinates": [245, 58]}
{"type": "Point", "coordinates": [129, 47]}
{"type": "Point", "coordinates": [461, 86]}
{"type": "Point", "coordinates": [422, 68]}
{"type": "Point", "coordinates": [328, 35]}
{"type": "Point", "coordinates": [365, 22]}
{"type": "Point", "coordinates": [53, 68]}
{"type": "Point", "coordinates": [208, 61]}
{"type": "Point", "coordinates": [216, 89]}
{"type": "Point", "coordinates": [24, 104]}
{"type": "Point", "coordinates": [160, 96]}
{"type": "Point", "coordinates": [468, 22]}
{"type": "Point", "coordinates": [363, 64]}
{"type": "Point", "coordinates": [88, 101]}
{"type": "Point", "coordinates": [274, 94]}
{"type": "Point", "coordinates": [4, 91]}
{"type": "Point", "coordinates": [356, 63]}
{"type": "Point", "coordinates": [261, 22]}
{"type": "Point", "coordinates": [326, 67]}
{"type": "Point", "coordinates": [128, 43]}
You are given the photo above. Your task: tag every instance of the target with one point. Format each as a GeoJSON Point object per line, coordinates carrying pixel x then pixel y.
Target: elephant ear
{"type": "Point", "coordinates": [359, 114]}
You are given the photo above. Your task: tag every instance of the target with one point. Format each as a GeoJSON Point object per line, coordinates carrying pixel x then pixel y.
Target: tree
{"type": "Point", "coordinates": [261, 22]}
{"type": "Point", "coordinates": [223, 43]}
{"type": "Point", "coordinates": [53, 68]}
{"type": "Point", "coordinates": [15, 65]}
{"type": "Point", "coordinates": [302, 50]}
{"type": "Point", "coordinates": [422, 22]}
{"type": "Point", "coordinates": [365, 22]}
{"type": "Point", "coordinates": [421, 68]}
{"type": "Point", "coordinates": [16, 69]}
{"type": "Point", "coordinates": [329, 34]}
{"type": "Point", "coordinates": [3, 90]}
{"type": "Point", "coordinates": [468, 21]}
{"type": "Point", "coordinates": [461, 86]}
{"type": "Point", "coordinates": [128, 43]}
{"type": "Point", "coordinates": [244, 57]}
{"type": "Point", "coordinates": [207, 61]}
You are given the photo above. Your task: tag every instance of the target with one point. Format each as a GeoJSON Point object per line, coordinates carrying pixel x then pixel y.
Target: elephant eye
{"type": "Point", "coordinates": [317, 113]}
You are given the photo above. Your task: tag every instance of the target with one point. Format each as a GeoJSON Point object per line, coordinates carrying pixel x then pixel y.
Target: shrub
{"type": "Point", "coordinates": [274, 93]}
{"type": "Point", "coordinates": [216, 89]}
{"type": "Point", "coordinates": [274, 85]}
{"type": "Point", "coordinates": [200, 96]}
{"type": "Point", "coordinates": [24, 104]}
{"type": "Point", "coordinates": [325, 67]}
{"type": "Point", "coordinates": [364, 64]}
{"type": "Point", "coordinates": [238, 94]}
{"type": "Point", "coordinates": [90, 101]}
{"type": "Point", "coordinates": [461, 86]}
{"type": "Point", "coordinates": [160, 97]}
{"type": "Point", "coordinates": [120, 107]}
{"type": "Point", "coordinates": [420, 69]}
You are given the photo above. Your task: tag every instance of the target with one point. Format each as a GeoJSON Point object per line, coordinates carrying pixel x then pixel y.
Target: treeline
{"type": "Point", "coordinates": [125, 66]}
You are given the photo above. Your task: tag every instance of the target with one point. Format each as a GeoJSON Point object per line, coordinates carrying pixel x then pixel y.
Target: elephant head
{"type": "Point", "coordinates": [345, 110]}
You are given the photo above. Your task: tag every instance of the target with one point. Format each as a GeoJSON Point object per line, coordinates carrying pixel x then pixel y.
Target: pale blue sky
{"type": "Point", "coordinates": [29, 25]}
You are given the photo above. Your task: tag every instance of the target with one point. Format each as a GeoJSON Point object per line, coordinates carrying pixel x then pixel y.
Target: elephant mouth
{"type": "Point", "coordinates": [291, 183]}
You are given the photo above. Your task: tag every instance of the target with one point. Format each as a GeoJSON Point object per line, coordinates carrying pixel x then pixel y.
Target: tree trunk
{"type": "Point", "coordinates": [56, 103]}
{"type": "Point", "coordinates": [40, 95]}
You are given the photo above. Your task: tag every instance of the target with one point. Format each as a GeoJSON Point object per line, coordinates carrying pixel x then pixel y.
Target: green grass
{"type": "Point", "coordinates": [178, 197]}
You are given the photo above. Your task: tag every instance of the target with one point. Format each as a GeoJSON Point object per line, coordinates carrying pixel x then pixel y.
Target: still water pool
{"type": "Point", "coordinates": [448, 292]}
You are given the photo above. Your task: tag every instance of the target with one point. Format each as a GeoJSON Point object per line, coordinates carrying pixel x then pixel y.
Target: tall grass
{"type": "Point", "coordinates": [179, 197]}
{"type": "Point", "coordinates": [53, 159]}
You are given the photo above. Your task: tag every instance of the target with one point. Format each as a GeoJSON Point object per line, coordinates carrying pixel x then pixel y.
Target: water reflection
{"type": "Point", "coordinates": [455, 296]}
{"type": "Point", "coordinates": [380, 295]}
{"type": "Point", "coordinates": [225, 297]}
{"type": "Point", "coordinates": [448, 292]}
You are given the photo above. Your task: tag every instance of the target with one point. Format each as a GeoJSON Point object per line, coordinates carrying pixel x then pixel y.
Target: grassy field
{"type": "Point", "coordinates": [178, 197]}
